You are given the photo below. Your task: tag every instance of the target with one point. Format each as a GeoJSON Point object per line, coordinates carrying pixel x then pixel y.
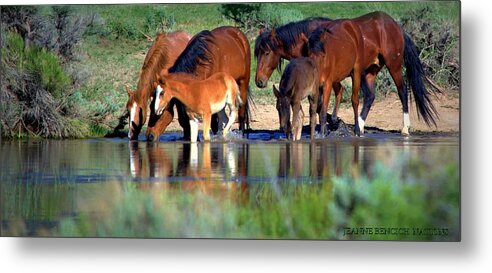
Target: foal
{"type": "Point", "coordinates": [300, 80]}
{"type": "Point", "coordinates": [202, 98]}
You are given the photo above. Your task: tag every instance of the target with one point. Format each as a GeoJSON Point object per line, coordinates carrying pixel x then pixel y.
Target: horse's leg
{"type": "Point", "coordinates": [193, 129]}
{"type": "Point", "coordinates": [326, 100]}
{"type": "Point", "coordinates": [184, 121]}
{"type": "Point", "coordinates": [296, 120]}
{"type": "Point", "coordinates": [313, 105]}
{"type": "Point", "coordinates": [356, 78]}
{"type": "Point", "coordinates": [243, 109]}
{"type": "Point", "coordinates": [368, 100]}
{"type": "Point", "coordinates": [223, 120]}
{"type": "Point", "coordinates": [396, 74]}
{"type": "Point", "coordinates": [207, 119]}
{"type": "Point", "coordinates": [232, 118]}
{"type": "Point", "coordinates": [215, 124]}
{"type": "Point", "coordinates": [338, 89]}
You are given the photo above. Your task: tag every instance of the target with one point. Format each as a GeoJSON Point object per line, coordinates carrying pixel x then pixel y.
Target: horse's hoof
{"type": "Point", "coordinates": [405, 132]}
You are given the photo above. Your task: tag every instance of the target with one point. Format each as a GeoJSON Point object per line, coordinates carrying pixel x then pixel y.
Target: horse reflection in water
{"type": "Point", "coordinates": [320, 159]}
{"type": "Point", "coordinates": [218, 170]}
{"type": "Point", "coordinates": [224, 169]}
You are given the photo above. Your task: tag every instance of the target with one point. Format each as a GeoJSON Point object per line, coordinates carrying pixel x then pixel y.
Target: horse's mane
{"type": "Point", "coordinates": [315, 44]}
{"type": "Point", "coordinates": [287, 34]}
{"type": "Point", "coordinates": [196, 53]}
{"type": "Point", "coordinates": [155, 60]}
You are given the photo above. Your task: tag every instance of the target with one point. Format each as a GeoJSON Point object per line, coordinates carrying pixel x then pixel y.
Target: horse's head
{"type": "Point", "coordinates": [137, 114]}
{"type": "Point", "coordinates": [283, 108]}
{"type": "Point", "coordinates": [163, 95]}
{"type": "Point", "coordinates": [267, 56]}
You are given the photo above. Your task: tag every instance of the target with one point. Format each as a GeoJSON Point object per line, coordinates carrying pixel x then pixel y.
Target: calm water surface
{"type": "Point", "coordinates": [45, 181]}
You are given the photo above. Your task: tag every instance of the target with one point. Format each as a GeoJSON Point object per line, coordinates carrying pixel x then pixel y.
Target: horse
{"type": "Point", "coordinates": [224, 49]}
{"type": "Point", "coordinates": [161, 56]}
{"type": "Point", "coordinates": [299, 80]}
{"type": "Point", "coordinates": [202, 98]}
{"type": "Point", "coordinates": [338, 52]}
{"type": "Point", "coordinates": [385, 44]}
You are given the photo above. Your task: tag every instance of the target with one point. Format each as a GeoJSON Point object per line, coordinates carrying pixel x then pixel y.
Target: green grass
{"type": "Point", "coordinates": [285, 211]}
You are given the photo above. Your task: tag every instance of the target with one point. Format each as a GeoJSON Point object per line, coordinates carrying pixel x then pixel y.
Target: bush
{"type": "Point", "coordinates": [157, 21]}
{"type": "Point", "coordinates": [438, 44]}
{"type": "Point", "coordinates": [38, 44]}
{"type": "Point", "coordinates": [251, 17]}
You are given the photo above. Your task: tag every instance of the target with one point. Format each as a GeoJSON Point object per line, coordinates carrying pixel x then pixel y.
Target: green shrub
{"type": "Point", "coordinates": [157, 20]}
{"type": "Point", "coordinates": [123, 29]}
{"type": "Point", "coordinates": [438, 44]}
{"type": "Point", "coordinates": [251, 17]}
{"type": "Point", "coordinates": [46, 66]}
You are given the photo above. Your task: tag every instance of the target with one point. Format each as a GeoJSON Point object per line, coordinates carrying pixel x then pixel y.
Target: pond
{"type": "Point", "coordinates": [241, 188]}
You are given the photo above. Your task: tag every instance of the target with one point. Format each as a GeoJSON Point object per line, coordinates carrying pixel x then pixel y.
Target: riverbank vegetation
{"type": "Point", "coordinates": [64, 67]}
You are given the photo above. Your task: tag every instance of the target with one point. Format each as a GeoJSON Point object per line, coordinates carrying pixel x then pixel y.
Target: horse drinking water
{"type": "Point", "coordinates": [385, 44]}
{"type": "Point", "coordinates": [161, 56]}
{"type": "Point", "coordinates": [223, 49]}
{"type": "Point", "coordinates": [201, 98]}
{"type": "Point", "coordinates": [299, 80]}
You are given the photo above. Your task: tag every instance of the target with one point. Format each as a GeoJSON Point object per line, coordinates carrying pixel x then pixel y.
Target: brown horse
{"type": "Point", "coordinates": [299, 80]}
{"type": "Point", "coordinates": [224, 49]}
{"type": "Point", "coordinates": [202, 98]}
{"type": "Point", "coordinates": [338, 52]}
{"type": "Point", "coordinates": [385, 44]}
{"type": "Point", "coordinates": [161, 56]}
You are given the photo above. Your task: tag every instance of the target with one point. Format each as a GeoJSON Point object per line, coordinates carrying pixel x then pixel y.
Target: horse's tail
{"type": "Point", "coordinates": [239, 101]}
{"type": "Point", "coordinates": [416, 76]}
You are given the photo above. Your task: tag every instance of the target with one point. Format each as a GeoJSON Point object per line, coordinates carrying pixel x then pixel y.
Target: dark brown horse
{"type": "Point", "coordinates": [385, 44]}
{"type": "Point", "coordinates": [299, 80]}
{"type": "Point", "coordinates": [161, 56]}
{"type": "Point", "coordinates": [224, 49]}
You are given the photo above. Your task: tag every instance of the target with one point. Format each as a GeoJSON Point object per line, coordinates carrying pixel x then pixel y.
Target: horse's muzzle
{"type": "Point", "coordinates": [261, 84]}
{"type": "Point", "coordinates": [151, 137]}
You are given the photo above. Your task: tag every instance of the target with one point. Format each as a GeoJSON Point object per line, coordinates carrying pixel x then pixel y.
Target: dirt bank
{"type": "Point", "coordinates": [385, 114]}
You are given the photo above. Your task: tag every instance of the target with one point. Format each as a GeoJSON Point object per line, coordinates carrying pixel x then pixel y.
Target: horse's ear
{"type": "Point", "coordinates": [276, 92]}
{"type": "Point", "coordinates": [130, 93]}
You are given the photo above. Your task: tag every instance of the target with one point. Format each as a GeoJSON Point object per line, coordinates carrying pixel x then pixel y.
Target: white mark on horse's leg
{"type": "Point", "coordinates": [132, 116]}
{"type": "Point", "coordinates": [194, 129]}
{"type": "Point", "coordinates": [158, 91]}
{"type": "Point", "coordinates": [406, 124]}
{"type": "Point", "coordinates": [361, 125]}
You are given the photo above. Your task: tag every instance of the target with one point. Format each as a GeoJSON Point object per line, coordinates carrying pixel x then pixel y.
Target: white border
{"type": "Point", "coordinates": [473, 254]}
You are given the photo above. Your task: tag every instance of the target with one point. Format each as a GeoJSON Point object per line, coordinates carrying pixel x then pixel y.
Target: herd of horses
{"type": "Point", "coordinates": [203, 75]}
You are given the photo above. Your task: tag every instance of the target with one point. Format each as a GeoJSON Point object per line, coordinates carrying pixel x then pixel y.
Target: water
{"type": "Point", "coordinates": [46, 181]}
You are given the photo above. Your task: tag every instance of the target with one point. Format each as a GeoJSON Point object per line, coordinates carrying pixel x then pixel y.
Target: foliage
{"type": "Point", "coordinates": [287, 210]}
{"type": "Point", "coordinates": [438, 44]}
{"type": "Point", "coordinates": [36, 88]}
{"type": "Point", "coordinates": [158, 20]}
{"type": "Point", "coordinates": [251, 17]}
